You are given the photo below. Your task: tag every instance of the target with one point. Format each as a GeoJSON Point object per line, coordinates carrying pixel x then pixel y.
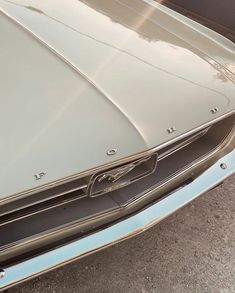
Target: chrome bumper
{"type": "Point", "coordinates": [124, 229]}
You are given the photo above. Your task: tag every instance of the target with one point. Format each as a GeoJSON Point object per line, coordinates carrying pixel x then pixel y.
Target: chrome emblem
{"type": "Point", "coordinates": [39, 176]}
{"type": "Point", "coordinates": [114, 175]}
{"type": "Point", "coordinates": [171, 129]}
{"type": "Point", "coordinates": [111, 152]}
{"type": "Point", "coordinates": [214, 110]}
{"type": "Point", "coordinates": [110, 180]}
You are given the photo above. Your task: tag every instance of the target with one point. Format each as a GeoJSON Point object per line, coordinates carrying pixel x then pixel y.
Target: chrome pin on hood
{"type": "Point", "coordinates": [171, 129]}
{"type": "Point", "coordinates": [215, 110]}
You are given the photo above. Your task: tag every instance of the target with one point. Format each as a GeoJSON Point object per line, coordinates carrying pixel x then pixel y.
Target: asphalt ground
{"type": "Point", "coordinates": [191, 251]}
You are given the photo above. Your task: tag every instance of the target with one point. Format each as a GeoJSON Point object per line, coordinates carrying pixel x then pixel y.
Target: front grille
{"type": "Point", "coordinates": [79, 188]}
{"type": "Point", "coordinates": [69, 209]}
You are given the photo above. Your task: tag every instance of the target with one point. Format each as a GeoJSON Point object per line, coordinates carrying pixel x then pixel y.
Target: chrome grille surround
{"type": "Point", "coordinates": [68, 180]}
{"type": "Point", "coordinates": [83, 185]}
{"type": "Point", "coordinates": [124, 201]}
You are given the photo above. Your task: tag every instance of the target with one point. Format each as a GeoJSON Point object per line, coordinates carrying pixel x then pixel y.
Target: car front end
{"type": "Point", "coordinates": [105, 133]}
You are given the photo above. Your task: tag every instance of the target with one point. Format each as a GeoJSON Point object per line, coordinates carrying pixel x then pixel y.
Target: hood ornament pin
{"type": "Point", "coordinates": [39, 176]}
{"type": "Point", "coordinates": [111, 152]}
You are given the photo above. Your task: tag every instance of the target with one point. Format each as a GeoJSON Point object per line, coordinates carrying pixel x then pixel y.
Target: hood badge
{"type": "Point", "coordinates": [171, 129]}
{"type": "Point", "coordinates": [111, 152]}
{"type": "Point", "coordinates": [39, 175]}
{"type": "Point", "coordinates": [215, 110]}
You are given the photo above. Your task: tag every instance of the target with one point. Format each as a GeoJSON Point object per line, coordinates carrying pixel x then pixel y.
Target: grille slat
{"type": "Point", "coordinates": [43, 196]}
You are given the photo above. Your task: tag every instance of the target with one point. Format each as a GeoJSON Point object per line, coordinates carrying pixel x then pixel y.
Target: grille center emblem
{"type": "Point", "coordinates": [110, 180]}
{"type": "Point", "coordinates": [115, 175]}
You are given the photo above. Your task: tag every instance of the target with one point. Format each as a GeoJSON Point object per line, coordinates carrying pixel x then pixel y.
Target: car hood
{"type": "Point", "coordinates": [84, 78]}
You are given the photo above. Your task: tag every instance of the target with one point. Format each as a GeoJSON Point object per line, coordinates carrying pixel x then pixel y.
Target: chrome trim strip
{"type": "Point", "coordinates": [50, 197]}
{"type": "Point", "coordinates": [122, 230]}
{"type": "Point", "coordinates": [114, 163]}
{"type": "Point", "coordinates": [11, 220]}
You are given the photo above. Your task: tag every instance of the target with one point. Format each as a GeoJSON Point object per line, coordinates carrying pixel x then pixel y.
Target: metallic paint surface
{"type": "Point", "coordinates": [95, 75]}
{"type": "Point", "coordinates": [122, 230]}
